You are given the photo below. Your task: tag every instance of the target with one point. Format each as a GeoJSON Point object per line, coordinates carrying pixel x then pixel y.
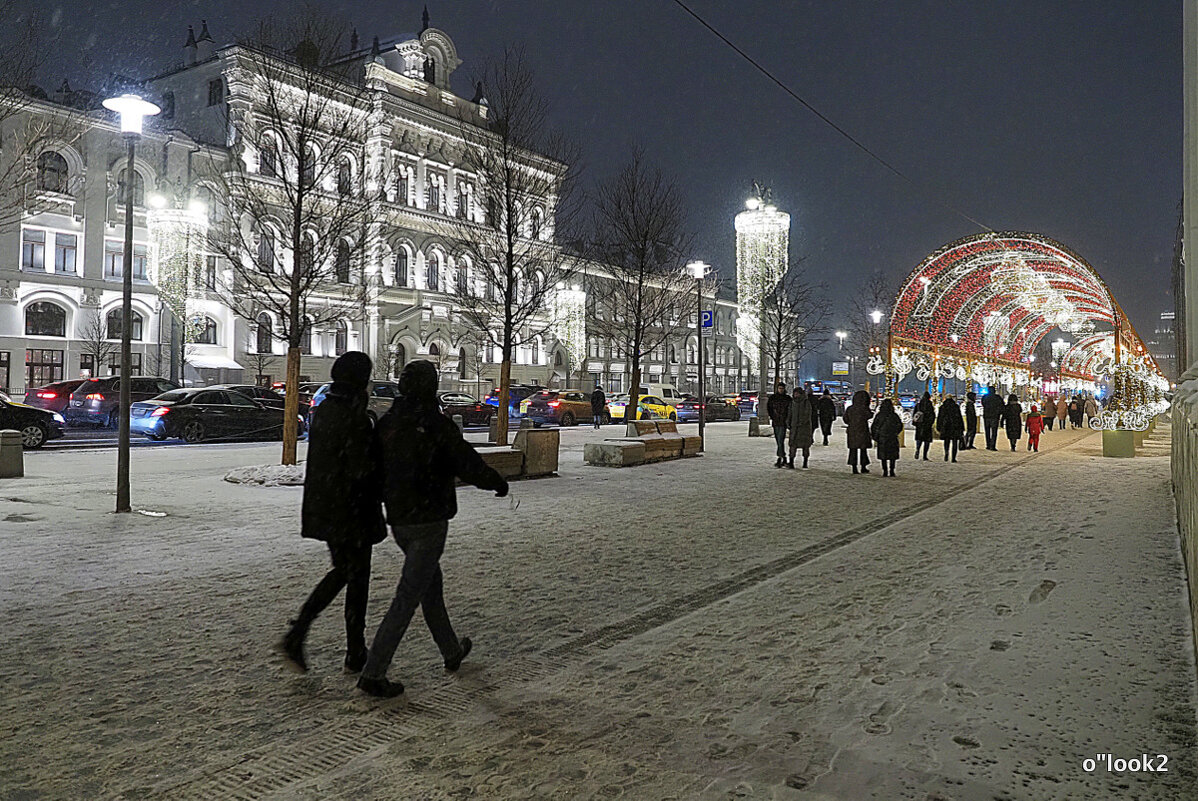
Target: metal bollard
{"type": "Point", "coordinates": [12, 454]}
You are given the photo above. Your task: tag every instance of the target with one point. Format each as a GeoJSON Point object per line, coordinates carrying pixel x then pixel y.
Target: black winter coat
{"type": "Point", "coordinates": [1012, 418]}
{"type": "Point", "coordinates": [856, 417]}
{"type": "Point", "coordinates": [992, 406]}
{"type": "Point", "coordinates": [949, 421]}
{"type": "Point", "coordinates": [423, 453]}
{"type": "Point", "coordinates": [971, 417]}
{"type": "Point", "coordinates": [344, 478]}
{"type": "Point", "coordinates": [827, 413]}
{"type": "Point", "coordinates": [927, 420]}
{"type": "Point", "coordinates": [885, 430]}
{"type": "Point", "coordinates": [598, 401]}
{"type": "Point", "coordinates": [778, 407]}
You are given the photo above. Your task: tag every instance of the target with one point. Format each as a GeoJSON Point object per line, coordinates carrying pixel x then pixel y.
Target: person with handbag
{"type": "Point", "coordinates": [856, 417]}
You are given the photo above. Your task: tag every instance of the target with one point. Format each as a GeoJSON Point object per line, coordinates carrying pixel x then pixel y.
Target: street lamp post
{"type": "Point", "coordinates": [698, 271]}
{"type": "Point", "coordinates": [840, 335]}
{"type": "Point", "coordinates": [132, 109]}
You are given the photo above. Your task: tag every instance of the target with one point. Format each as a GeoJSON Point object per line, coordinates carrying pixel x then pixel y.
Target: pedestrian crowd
{"type": "Point", "coordinates": [796, 417]}
{"type": "Point", "coordinates": [363, 477]}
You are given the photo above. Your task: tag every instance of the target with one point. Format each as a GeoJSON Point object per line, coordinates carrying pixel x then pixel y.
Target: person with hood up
{"type": "Point", "coordinates": [950, 425]}
{"type": "Point", "coordinates": [992, 412]}
{"type": "Point", "coordinates": [971, 421]}
{"type": "Point", "coordinates": [1091, 409]}
{"type": "Point", "coordinates": [1012, 417]}
{"type": "Point", "coordinates": [856, 417]}
{"type": "Point", "coordinates": [1034, 425]}
{"type": "Point", "coordinates": [801, 434]}
{"type": "Point", "coordinates": [924, 419]}
{"type": "Point", "coordinates": [1050, 413]}
{"type": "Point", "coordinates": [598, 405]}
{"type": "Point", "coordinates": [778, 407]}
{"type": "Point", "coordinates": [885, 430]}
{"type": "Point", "coordinates": [423, 454]}
{"type": "Point", "coordinates": [342, 507]}
{"type": "Point", "coordinates": [827, 413]}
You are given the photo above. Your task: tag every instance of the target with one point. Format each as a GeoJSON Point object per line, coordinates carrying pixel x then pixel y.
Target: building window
{"type": "Point", "coordinates": [114, 260]}
{"type": "Point", "coordinates": [306, 339]}
{"type": "Point", "coordinates": [536, 352]}
{"type": "Point", "coordinates": [216, 92]}
{"type": "Point", "coordinates": [87, 364]}
{"type": "Point", "coordinates": [401, 187]}
{"type": "Point", "coordinates": [139, 188]}
{"type": "Point", "coordinates": [265, 333]}
{"type": "Point", "coordinates": [206, 331]}
{"type": "Point", "coordinates": [673, 355]}
{"type": "Point", "coordinates": [434, 196]}
{"type": "Point", "coordinates": [307, 253]}
{"type": "Point", "coordinates": [401, 267]}
{"type": "Point", "coordinates": [51, 172]}
{"type": "Point", "coordinates": [65, 248]}
{"type": "Point", "coordinates": [342, 262]}
{"type": "Point", "coordinates": [463, 280]}
{"type": "Point", "coordinates": [307, 170]}
{"type": "Point", "coordinates": [45, 319]}
{"type": "Point", "coordinates": [537, 223]}
{"type": "Point", "coordinates": [432, 273]}
{"type": "Point", "coordinates": [345, 179]}
{"type": "Point", "coordinates": [557, 359]}
{"type": "Point", "coordinates": [341, 338]}
{"type": "Point", "coordinates": [114, 364]}
{"type": "Point", "coordinates": [268, 159]}
{"type": "Point", "coordinates": [5, 367]}
{"type": "Point", "coordinates": [462, 364]}
{"type": "Point", "coordinates": [463, 204]}
{"type": "Point", "coordinates": [210, 272]}
{"type": "Point", "coordinates": [42, 367]}
{"type": "Point", "coordinates": [140, 260]}
{"type": "Point", "coordinates": [114, 325]}
{"type": "Point", "coordinates": [33, 250]}
{"type": "Point", "coordinates": [401, 357]}
{"type": "Point", "coordinates": [266, 251]}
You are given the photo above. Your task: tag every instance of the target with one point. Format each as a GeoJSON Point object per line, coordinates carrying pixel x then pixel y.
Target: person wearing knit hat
{"type": "Point", "coordinates": [342, 506]}
{"type": "Point", "coordinates": [423, 456]}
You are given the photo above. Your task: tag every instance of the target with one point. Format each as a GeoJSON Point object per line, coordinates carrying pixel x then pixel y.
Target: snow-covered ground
{"type": "Point", "coordinates": [707, 628]}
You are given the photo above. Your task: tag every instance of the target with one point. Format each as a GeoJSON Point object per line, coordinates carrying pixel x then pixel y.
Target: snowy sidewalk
{"type": "Point", "coordinates": [709, 628]}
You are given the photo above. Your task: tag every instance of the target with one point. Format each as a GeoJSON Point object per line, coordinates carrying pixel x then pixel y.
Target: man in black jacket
{"type": "Point", "coordinates": [827, 414]}
{"type": "Point", "coordinates": [423, 453]}
{"type": "Point", "coordinates": [778, 407]}
{"type": "Point", "coordinates": [342, 506]}
{"type": "Point", "coordinates": [598, 405]}
{"type": "Point", "coordinates": [992, 409]}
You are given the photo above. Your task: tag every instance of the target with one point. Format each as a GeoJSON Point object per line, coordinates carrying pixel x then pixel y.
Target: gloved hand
{"type": "Point", "coordinates": [502, 491]}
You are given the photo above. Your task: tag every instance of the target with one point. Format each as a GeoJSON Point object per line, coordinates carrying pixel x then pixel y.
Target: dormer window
{"type": "Point", "coordinates": [430, 70]}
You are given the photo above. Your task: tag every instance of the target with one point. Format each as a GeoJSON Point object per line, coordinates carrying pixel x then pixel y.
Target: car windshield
{"type": "Point", "coordinates": [173, 395]}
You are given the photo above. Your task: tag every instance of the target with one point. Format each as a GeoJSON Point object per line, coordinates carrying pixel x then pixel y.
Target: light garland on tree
{"type": "Point", "coordinates": [569, 322]}
{"type": "Point", "coordinates": [762, 251]}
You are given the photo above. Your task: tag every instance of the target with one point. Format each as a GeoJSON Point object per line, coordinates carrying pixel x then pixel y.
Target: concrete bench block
{"type": "Point", "coordinates": [639, 428]}
{"type": "Point", "coordinates": [12, 454]}
{"type": "Point", "coordinates": [614, 453]}
{"type": "Point", "coordinates": [1119, 444]}
{"type": "Point", "coordinates": [691, 444]}
{"type": "Point", "coordinates": [508, 462]}
{"type": "Point", "coordinates": [540, 449]}
{"type": "Point", "coordinates": [667, 426]}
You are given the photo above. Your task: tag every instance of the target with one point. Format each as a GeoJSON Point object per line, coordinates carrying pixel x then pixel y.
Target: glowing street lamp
{"type": "Point", "coordinates": [876, 316]}
{"type": "Point", "coordinates": [840, 335]}
{"type": "Point", "coordinates": [698, 270]}
{"type": "Point", "coordinates": [132, 110]}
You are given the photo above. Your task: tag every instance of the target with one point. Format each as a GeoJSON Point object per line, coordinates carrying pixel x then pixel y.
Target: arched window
{"type": "Point", "coordinates": [307, 169]}
{"type": "Point", "coordinates": [401, 187]}
{"type": "Point", "coordinates": [45, 319]}
{"type": "Point", "coordinates": [434, 195]}
{"type": "Point", "coordinates": [265, 333]}
{"type": "Point", "coordinates": [345, 178]}
{"type": "Point", "coordinates": [673, 355]}
{"type": "Point", "coordinates": [341, 338]}
{"type": "Point", "coordinates": [268, 158]}
{"type": "Point", "coordinates": [434, 350]}
{"type": "Point", "coordinates": [401, 357]}
{"type": "Point", "coordinates": [432, 278]}
{"type": "Point", "coordinates": [114, 325]}
{"type": "Point", "coordinates": [536, 352]}
{"type": "Point", "coordinates": [307, 254]}
{"type": "Point", "coordinates": [206, 331]}
{"type": "Point", "coordinates": [401, 267]}
{"type": "Point", "coordinates": [266, 251]}
{"type": "Point", "coordinates": [306, 338]}
{"type": "Point", "coordinates": [462, 364]}
{"type": "Point", "coordinates": [52, 172]}
{"type": "Point", "coordinates": [557, 359]}
{"type": "Point", "coordinates": [139, 188]}
{"type": "Point", "coordinates": [538, 221]}
{"type": "Point", "coordinates": [342, 262]}
{"type": "Point", "coordinates": [430, 70]}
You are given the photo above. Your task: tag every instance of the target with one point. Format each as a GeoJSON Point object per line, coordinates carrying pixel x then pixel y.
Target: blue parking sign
{"type": "Point", "coordinates": [707, 319]}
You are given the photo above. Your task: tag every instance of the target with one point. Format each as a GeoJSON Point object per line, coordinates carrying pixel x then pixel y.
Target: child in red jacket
{"type": "Point", "coordinates": [1034, 425]}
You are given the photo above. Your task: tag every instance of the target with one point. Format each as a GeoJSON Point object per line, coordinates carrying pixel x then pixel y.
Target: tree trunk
{"type": "Point", "coordinates": [291, 406]}
{"type": "Point", "coordinates": [504, 409]}
{"type": "Point", "coordinates": [633, 390]}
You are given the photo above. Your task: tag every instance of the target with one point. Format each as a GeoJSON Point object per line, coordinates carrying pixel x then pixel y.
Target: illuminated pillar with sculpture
{"type": "Point", "coordinates": [762, 249]}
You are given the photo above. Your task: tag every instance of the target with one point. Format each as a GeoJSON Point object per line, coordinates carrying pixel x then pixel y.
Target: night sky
{"type": "Point", "coordinates": [1063, 118]}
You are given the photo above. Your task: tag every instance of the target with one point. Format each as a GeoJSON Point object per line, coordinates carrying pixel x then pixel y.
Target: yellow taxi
{"type": "Point", "coordinates": [654, 406]}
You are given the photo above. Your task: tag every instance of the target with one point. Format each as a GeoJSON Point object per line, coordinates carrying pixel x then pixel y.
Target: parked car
{"type": "Point", "coordinates": [714, 410]}
{"type": "Point", "coordinates": [268, 397]}
{"type": "Point", "coordinates": [196, 414]}
{"type": "Point", "coordinates": [652, 406]}
{"type": "Point", "coordinates": [96, 401]}
{"type": "Point", "coordinates": [516, 394]}
{"type": "Point", "coordinates": [473, 411]}
{"type": "Point", "coordinates": [747, 403]}
{"type": "Point", "coordinates": [53, 397]}
{"type": "Point", "coordinates": [382, 393]}
{"type": "Point", "coordinates": [37, 426]}
{"type": "Point", "coordinates": [616, 405]}
{"type": "Point", "coordinates": [561, 406]}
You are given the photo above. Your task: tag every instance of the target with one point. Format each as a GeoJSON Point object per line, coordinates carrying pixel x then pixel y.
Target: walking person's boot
{"type": "Point", "coordinates": [380, 688]}
{"type": "Point", "coordinates": [855, 470]}
{"type": "Point", "coordinates": [790, 464]}
{"type": "Point", "coordinates": [452, 665]}
{"type": "Point", "coordinates": [804, 462]}
{"type": "Point", "coordinates": [291, 647]}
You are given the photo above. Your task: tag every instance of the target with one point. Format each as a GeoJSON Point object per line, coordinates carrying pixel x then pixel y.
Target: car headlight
{"type": "Point", "coordinates": [58, 418]}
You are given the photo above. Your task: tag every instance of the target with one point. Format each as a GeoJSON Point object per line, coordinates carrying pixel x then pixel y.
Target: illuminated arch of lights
{"type": "Point", "coordinates": [977, 308]}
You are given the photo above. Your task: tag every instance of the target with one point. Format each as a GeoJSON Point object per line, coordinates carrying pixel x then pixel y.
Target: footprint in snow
{"type": "Point", "coordinates": [1041, 592]}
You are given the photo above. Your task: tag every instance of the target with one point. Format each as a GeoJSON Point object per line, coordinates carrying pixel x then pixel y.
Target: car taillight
{"type": "Point", "coordinates": [702, 406]}
{"type": "Point", "coordinates": [95, 396]}
{"type": "Point", "coordinates": [478, 407]}
{"type": "Point", "coordinates": [161, 410]}
{"type": "Point", "coordinates": [47, 395]}
{"type": "Point", "coordinates": [555, 404]}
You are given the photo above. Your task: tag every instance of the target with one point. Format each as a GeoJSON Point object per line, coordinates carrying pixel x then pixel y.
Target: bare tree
{"type": "Point", "coordinates": [794, 319]}
{"type": "Point", "coordinates": [94, 341]}
{"type": "Point", "coordinates": [387, 363]}
{"type": "Point", "coordinates": [260, 362]}
{"type": "Point", "coordinates": [524, 177]}
{"type": "Point", "coordinates": [639, 236]}
{"type": "Point", "coordinates": [297, 187]}
{"type": "Point", "coordinates": [865, 333]}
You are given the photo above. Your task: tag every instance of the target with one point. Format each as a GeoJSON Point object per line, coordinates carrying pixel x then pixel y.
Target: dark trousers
{"type": "Point", "coordinates": [1048, 422]}
{"type": "Point", "coordinates": [859, 453]}
{"type": "Point", "coordinates": [951, 443]}
{"type": "Point", "coordinates": [419, 585]}
{"type": "Point", "coordinates": [351, 570]}
{"type": "Point", "coordinates": [598, 415]}
{"type": "Point", "coordinates": [991, 434]}
{"type": "Point", "coordinates": [921, 447]}
{"type": "Point", "coordinates": [780, 438]}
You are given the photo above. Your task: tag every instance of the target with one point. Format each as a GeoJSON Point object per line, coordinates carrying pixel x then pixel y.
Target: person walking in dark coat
{"type": "Point", "coordinates": [886, 428]}
{"type": "Point", "coordinates": [857, 418]}
{"type": "Point", "coordinates": [778, 407]}
{"type": "Point", "coordinates": [924, 420]}
{"type": "Point", "coordinates": [971, 421]}
{"type": "Point", "coordinates": [1075, 412]}
{"type": "Point", "coordinates": [598, 405]}
{"type": "Point", "coordinates": [827, 413]}
{"type": "Point", "coordinates": [1012, 418]}
{"type": "Point", "coordinates": [992, 412]}
{"type": "Point", "coordinates": [950, 425]}
{"type": "Point", "coordinates": [801, 433]}
{"type": "Point", "coordinates": [342, 507]}
{"type": "Point", "coordinates": [423, 454]}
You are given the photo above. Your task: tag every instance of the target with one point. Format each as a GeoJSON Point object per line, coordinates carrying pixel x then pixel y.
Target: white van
{"type": "Point", "coordinates": [667, 393]}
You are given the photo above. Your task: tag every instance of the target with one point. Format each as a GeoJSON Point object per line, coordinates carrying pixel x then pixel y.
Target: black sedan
{"type": "Point", "coordinates": [202, 413]}
{"type": "Point", "coordinates": [473, 411]}
{"type": "Point", "coordinates": [37, 426]}
{"type": "Point", "coordinates": [715, 410]}
{"type": "Point", "coordinates": [267, 397]}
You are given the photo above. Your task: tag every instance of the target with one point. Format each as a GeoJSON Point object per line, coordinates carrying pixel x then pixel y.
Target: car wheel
{"type": "Point", "coordinates": [374, 418]}
{"type": "Point", "coordinates": [33, 436]}
{"type": "Point", "coordinates": [567, 420]}
{"type": "Point", "coordinates": [193, 431]}
{"type": "Point", "coordinates": [673, 416]}
{"type": "Point", "coordinates": [155, 437]}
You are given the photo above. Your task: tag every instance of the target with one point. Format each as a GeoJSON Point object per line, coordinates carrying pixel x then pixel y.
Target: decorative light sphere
{"type": "Point", "coordinates": [157, 201]}
{"type": "Point", "coordinates": [131, 109]}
